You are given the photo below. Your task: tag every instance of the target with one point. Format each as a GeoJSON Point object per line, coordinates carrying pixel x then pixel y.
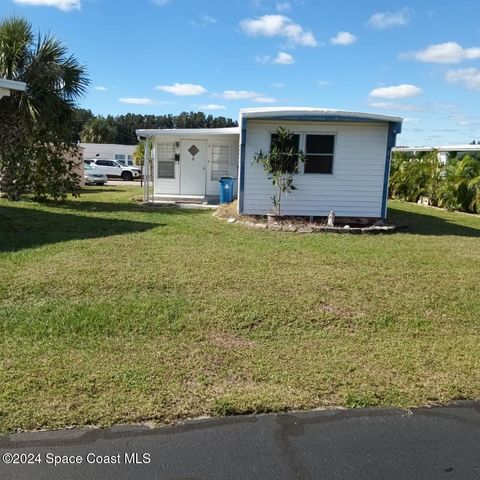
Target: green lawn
{"type": "Point", "coordinates": [113, 312]}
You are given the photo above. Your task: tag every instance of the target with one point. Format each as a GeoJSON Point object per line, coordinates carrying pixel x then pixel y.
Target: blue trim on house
{"type": "Point", "coordinates": [394, 129]}
{"type": "Point", "coordinates": [241, 184]}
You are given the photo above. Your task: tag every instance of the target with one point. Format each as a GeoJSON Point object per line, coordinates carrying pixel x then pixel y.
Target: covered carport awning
{"type": "Point", "coordinates": [441, 148]}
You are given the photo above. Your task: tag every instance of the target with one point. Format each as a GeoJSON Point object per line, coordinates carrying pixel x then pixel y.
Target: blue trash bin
{"type": "Point", "coordinates": [226, 189]}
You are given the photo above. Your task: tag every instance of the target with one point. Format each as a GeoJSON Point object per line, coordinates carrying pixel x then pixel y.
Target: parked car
{"type": "Point", "coordinates": [93, 176]}
{"type": "Point", "coordinates": [112, 169]}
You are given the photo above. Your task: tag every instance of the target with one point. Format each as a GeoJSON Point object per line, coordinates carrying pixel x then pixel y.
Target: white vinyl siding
{"type": "Point", "coordinates": [171, 186]}
{"type": "Point", "coordinates": [355, 186]}
{"type": "Point", "coordinates": [166, 161]}
{"type": "Point", "coordinates": [220, 161]}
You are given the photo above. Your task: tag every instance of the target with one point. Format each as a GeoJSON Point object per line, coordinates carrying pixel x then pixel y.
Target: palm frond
{"type": "Point", "coordinates": [16, 37]}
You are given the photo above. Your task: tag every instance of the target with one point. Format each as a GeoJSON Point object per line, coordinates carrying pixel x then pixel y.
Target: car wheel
{"type": "Point", "coordinates": [127, 176]}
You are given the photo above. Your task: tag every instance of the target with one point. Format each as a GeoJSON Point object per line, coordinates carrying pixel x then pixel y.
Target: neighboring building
{"type": "Point", "coordinates": [8, 86]}
{"type": "Point", "coordinates": [346, 169]}
{"type": "Point", "coordinates": [443, 150]}
{"type": "Point", "coordinates": [123, 154]}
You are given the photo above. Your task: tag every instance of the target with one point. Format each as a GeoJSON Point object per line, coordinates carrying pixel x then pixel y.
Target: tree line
{"type": "Point", "coordinates": [90, 128]}
{"type": "Point", "coordinates": [452, 183]}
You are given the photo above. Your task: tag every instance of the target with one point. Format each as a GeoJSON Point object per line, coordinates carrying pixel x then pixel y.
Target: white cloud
{"type": "Point", "coordinates": [278, 26]}
{"type": "Point", "coordinates": [284, 58]}
{"type": "Point", "coordinates": [324, 83]}
{"type": "Point", "coordinates": [64, 5]}
{"type": "Point", "coordinates": [101, 88]}
{"type": "Point", "coordinates": [397, 91]}
{"type": "Point", "coordinates": [264, 100]}
{"type": "Point", "coordinates": [449, 52]}
{"type": "Point", "coordinates": [393, 106]}
{"type": "Point", "coordinates": [212, 106]}
{"type": "Point", "coordinates": [238, 94]}
{"type": "Point", "coordinates": [283, 6]}
{"type": "Point", "coordinates": [384, 20]}
{"type": "Point", "coordinates": [263, 58]}
{"type": "Point", "coordinates": [343, 38]}
{"type": "Point", "coordinates": [464, 120]}
{"type": "Point", "coordinates": [182, 89]}
{"type": "Point", "coordinates": [137, 101]}
{"type": "Point", "coordinates": [246, 95]}
{"type": "Point", "coordinates": [204, 21]}
{"type": "Point", "coordinates": [470, 77]}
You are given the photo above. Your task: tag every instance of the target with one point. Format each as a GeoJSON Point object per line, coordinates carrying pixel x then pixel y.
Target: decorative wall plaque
{"type": "Point", "coordinates": [193, 150]}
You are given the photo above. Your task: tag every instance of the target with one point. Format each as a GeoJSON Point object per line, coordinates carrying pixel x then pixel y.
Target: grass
{"type": "Point", "coordinates": [112, 312]}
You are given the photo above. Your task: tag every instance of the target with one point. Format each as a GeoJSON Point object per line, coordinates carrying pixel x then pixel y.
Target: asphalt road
{"type": "Point", "coordinates": [369, 444]}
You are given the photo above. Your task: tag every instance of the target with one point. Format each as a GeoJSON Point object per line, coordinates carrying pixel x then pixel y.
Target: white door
{"type": "Point", "coordinates": [193, 167]}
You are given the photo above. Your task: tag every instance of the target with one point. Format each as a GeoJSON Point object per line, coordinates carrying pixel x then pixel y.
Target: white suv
{"type": "Point", "coordinates": [112, 168]}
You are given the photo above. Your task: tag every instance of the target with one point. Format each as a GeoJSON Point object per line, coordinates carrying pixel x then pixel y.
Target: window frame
{"type": "Point", "coordinates": [303, 145]}
{"type": "Point", "coordinates": [270, 134]}
{"type": "Point", "coordinates": [333, 154]}
{"type": "Point", "coordinates": [213, 145]}
{"type": "Point", "coordinates": [157, 177]}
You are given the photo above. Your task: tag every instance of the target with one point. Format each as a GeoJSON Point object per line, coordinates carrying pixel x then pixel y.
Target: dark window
{"type": "Point", "coordinates": [319, 153]}
{"type": "Point", "coordinates": [290, 150]}
{"type": "Point", "coordinates": [102, 163]}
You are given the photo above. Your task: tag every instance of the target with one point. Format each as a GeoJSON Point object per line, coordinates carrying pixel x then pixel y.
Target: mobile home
{"type": "Point", "coordinates": [346, 168]}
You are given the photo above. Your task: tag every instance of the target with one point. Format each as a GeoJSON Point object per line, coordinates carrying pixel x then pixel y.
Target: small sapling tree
{"type": "Point", "coordinates": [281, 163]}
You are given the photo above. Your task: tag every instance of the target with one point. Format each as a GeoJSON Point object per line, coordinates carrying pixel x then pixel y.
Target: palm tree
{"type": "Point", "coordinates": [55, 80]}
{"type": "Point", "coordinates": [416, 176]}
{"type": "Point", "coordinates": [42, 115]}
{"type": "Point", "coordinates": [454, 192]}
{"type": "Point", "coordinates": [98, 130]}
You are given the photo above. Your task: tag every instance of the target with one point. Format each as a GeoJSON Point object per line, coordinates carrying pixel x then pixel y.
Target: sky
{"type": "Point", "coordinates": [419, 60]}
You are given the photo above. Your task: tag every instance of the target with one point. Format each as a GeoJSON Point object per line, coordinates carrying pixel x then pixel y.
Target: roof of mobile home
{"type": "Point", "coordinates": [306, 113]}
{"type": "Point", "coordinates": [276, 113]}
{"type": "Point", "coordinates": [12, 85]}
{"type": "Point", "coordinates": [185, 132]}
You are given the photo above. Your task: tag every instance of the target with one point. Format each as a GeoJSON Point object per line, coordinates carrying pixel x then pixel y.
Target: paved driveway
{"type": "Point", "coordinates": [367, 444]}
{"type": "Point", "coordinates": [121, 183]}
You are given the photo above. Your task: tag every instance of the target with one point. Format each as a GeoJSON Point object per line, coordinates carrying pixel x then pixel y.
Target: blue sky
{"type": "Point", "coordinates": [419, 60]}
